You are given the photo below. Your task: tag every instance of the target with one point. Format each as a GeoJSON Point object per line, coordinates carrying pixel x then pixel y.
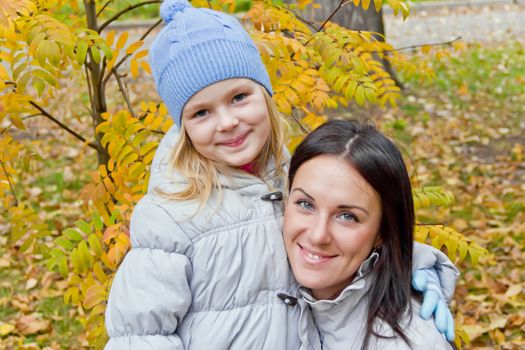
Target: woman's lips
{"type": "Point", "coordinates": [235, 142]}
{"type": "Point", "coordinates": [313, 257]}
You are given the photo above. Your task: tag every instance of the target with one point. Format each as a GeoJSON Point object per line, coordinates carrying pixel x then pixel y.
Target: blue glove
{"type": "Point", "coordinates": [427, 282]}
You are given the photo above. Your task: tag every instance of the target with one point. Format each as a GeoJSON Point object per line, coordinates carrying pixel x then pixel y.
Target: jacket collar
{"type": "Point", "coordinates": [359, 286]}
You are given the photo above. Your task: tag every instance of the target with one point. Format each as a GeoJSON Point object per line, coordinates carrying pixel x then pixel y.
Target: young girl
{"type": "Point", "coordinates": [348, 231]}
{"type": "Point", "coordinates": [208, 268]}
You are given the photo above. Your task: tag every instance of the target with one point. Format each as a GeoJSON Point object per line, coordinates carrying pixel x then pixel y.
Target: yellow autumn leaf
{"type": "Point", "coordinates": [122, 40]}
{"type": "Point", "coordinates": [6, 328]}
{"type": "Point", "coordinates": [145, 66]}
{"type": "Point", "coordinates": [133, 47]}
{"type": "Point", "coordinates": [110, 38]}
{"type": "Point", "coordinates": [134, 68]}
{"type": "Point", "coordinates": [141, 54]}
{"type": "Point", "coordinates": [294, 142]}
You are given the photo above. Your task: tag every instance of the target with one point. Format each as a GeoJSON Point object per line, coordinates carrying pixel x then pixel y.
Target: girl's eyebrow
{"type": "Point", "coordinates": [235, 89]}
{"type": "Point", "coordinates": [196, 107]}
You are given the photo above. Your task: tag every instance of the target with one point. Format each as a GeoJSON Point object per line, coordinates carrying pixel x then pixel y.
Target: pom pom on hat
{"type": "Point", "coordinates": [169, 8]}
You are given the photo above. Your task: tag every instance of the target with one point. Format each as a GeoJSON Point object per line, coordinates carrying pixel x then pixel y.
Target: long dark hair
{"type": "Point", "coordinates": [380, 163]}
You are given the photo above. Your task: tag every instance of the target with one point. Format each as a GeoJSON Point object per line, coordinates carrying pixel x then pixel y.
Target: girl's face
{"type": "Point", "coordinates": [228, 122]}
{"type": "Point", "coordinates": [331, 224]}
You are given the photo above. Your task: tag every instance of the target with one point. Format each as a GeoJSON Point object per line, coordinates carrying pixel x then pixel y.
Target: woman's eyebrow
{"type": "Point", "coordinates": [341, 206]}
{"type": "Point", "coordinates": [348, 206]}
{"type": "Point", "coordinates": [304, 192]}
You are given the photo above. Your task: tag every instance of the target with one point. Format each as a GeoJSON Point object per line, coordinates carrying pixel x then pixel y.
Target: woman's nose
{"type": "Point", "coordinates": [226, 120]}
{"type": "Point", "coordinates": [320, 231]}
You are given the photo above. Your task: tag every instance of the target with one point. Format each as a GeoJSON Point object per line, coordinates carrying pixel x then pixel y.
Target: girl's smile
{"type": "Point", "coordinates": [235, 141]}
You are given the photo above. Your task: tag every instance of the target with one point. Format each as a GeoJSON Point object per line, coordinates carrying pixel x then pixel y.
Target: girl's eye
{"type": "Point", "coordinates": [304, 204]}
{"type": "Point", "coordinates": [348, 217]}
{"type": "Point", "coordinates": [201, 113]}
{"type": "Point", "coordinates": [239, 97]}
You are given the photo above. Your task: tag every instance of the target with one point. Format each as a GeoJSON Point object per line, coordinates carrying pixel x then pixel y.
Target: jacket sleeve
{"type": "Point", "coordinates": [426, 256]}
{"type": "Point", "coordinates": [150, 294]}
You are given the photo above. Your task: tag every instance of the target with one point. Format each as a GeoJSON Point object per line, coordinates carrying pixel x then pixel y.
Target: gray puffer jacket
{"type": "Point", "coordinates": [340, 324]}
{"type": "Point", "coordinates": [204, 281]}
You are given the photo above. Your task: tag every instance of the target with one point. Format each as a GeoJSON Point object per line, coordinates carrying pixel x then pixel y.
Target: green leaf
{"type": "Point", "coordinates": [64, 243]}
{"type": "Point", "coordinates": [94, 243]}
{"type": "Point", "coordinates": [84, 226]}
{"type": "Point", "coordinates": [72, 234]}
{"type": "Point", "coordinates": [360, 95]}
{"type": "Point", "coordinates": [97, 221]}
{"type": "Point", "coordinates": [463, 250]}
{"type": "Point", "coordinates": [45, 75]}
{"type": "Point", "coordinates": [95, 53]}
{"type": "Point", "coordinates": [86, 259]}
{"type": "Point", "coordinates": [62, 267]}
{"type": "Point", "coordinates": [82, 49]}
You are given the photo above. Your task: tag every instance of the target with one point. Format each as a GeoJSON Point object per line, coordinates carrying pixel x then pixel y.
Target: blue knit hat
{"type": "Point", "coordinates": [199, 47]}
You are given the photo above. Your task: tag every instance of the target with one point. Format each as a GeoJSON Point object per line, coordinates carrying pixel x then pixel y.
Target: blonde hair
{"type": "Point", "coordinates": [202, 174]}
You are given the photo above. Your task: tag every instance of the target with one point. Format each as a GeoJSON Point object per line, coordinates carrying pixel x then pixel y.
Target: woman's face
{"type": "Point", "coordinates": [228, 121]}
{"type": "Point", "coordinates": [331, 224]}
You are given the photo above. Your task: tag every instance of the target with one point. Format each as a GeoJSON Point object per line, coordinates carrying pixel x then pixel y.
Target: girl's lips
{"type": "Point", "coordinates": [235, 142]}
{"type": "Point", "coordinates": [312, 257]}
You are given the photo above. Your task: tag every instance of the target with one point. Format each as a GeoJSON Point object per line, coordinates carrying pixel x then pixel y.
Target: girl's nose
{"type": "Point", "coordinates": [226, 120]}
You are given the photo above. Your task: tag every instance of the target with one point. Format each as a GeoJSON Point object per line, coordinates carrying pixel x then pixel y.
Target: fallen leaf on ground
{"type": "Point", "coordinates": [32, 324]}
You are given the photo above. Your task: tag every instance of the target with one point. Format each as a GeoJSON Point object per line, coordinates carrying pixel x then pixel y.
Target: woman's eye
{"type": "Point", "coordinates": [239, 97]}
{"type": "Point", "coordinates": [348, 217]}
{"type": "Point", "coordinates": [201, 113]}
{"type": "Point", "coordinates": [305, 204]}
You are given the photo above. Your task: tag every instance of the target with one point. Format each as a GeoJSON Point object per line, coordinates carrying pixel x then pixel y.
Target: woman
{"type": "Point", "coordinates": [348, 231]}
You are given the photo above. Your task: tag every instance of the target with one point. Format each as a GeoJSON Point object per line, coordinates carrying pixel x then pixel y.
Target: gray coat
{"type": "Point", "coordinates": [204, 281]}
{"type": "Point", "coordinates": [210, 280]}
{"type": "Point", "coordinates": [339, 324]}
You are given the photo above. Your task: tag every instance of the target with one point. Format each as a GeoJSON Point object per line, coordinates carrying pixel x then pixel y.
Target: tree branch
{"type": "Point", "coordinates": [127, 9]}
{"type": "Point", "coordinates": [301, 126]}
{"type": "Point", "coordinates": [124, 92]}
{"type": "Point", "coordinates": [89, 88]}
{"type": "Point", "coordinates": [412, 47]}
{"type": "Point", "coordinates": [63, 126]}
{"type": "Point", "coordinates": [9, 181]}
{"type": "Point", "coordinates": [341, 4]}
{"type": "Point", "coordinates": [119, 63]}
{"type": "Point", "coordinates": [304, 20]}
{"type": "Point", "coordinates": [103, 8]}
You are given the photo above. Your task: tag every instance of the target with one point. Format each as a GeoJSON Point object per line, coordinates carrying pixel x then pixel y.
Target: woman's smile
{"type": "Point", "coordinates": [312, 257]}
